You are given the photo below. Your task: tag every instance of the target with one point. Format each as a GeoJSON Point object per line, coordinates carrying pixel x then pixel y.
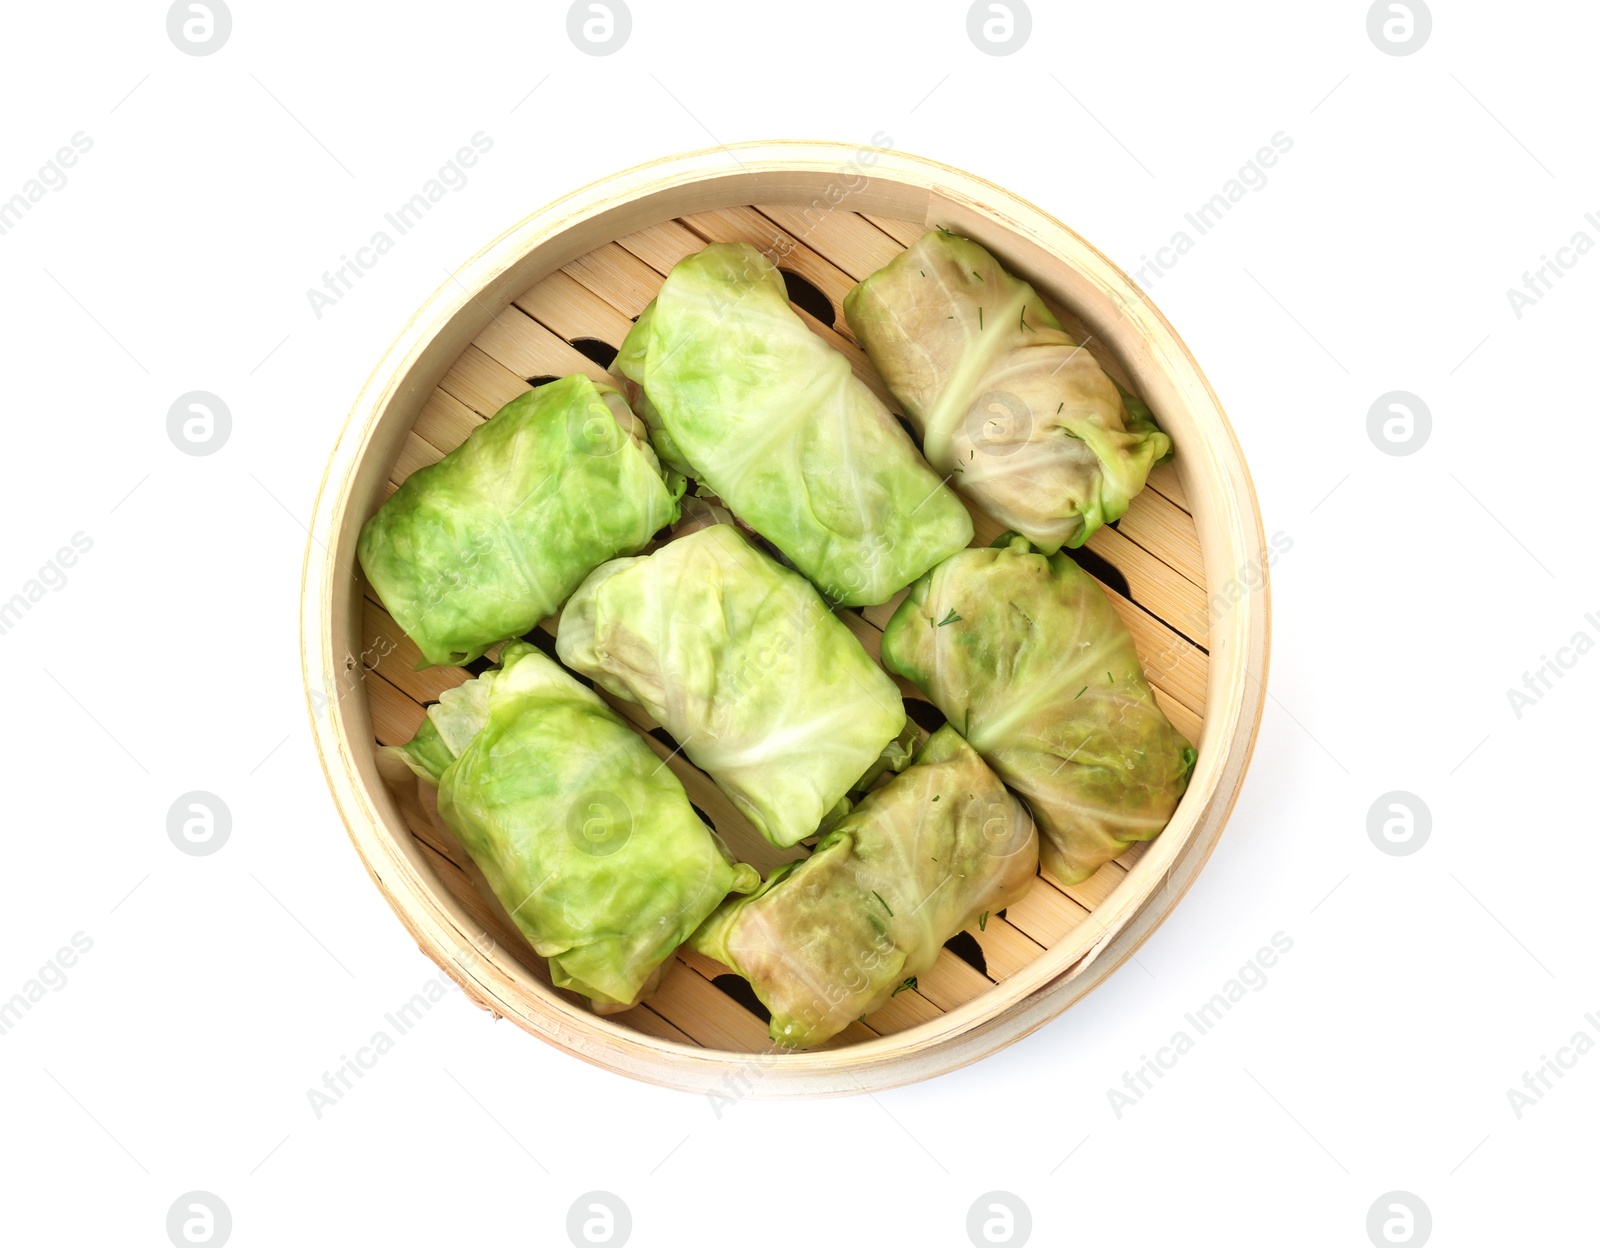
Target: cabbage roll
{"type": "Point", "coordinates": [490, 540]}
{"type": "Point", "coordinates": [739, 659]}
{"type": "Point", "coordinates": [832, 937]}
{"type": "Point", "coordinates": [587, 839]}
{"type": "Point", "coordinates": [742, 396]}
{"type": "Point", "coordinates": [1030, 426]}
{"type": "Point", "coordinates": [1026, 655]}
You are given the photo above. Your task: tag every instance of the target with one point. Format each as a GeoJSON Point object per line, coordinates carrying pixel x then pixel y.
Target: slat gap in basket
{"type": "Point", "coordinates": [869, 247]}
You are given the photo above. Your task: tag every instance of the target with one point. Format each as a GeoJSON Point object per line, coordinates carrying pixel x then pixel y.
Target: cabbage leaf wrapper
{"type": "Point", "coordinates": [1025, 653]}
{"type": "Point", "coordinates": [491, 539]}
{"type": "Point", "coordinates": [834, 936]}
{"type": "Point", "coordinates": [589, 842]}
{"type": "Point", "coordinates": [1021, 418]}
{"type": "Point", "coordinates": [741, 661]}
{"type": "Point", "coordinates": [741, 395]}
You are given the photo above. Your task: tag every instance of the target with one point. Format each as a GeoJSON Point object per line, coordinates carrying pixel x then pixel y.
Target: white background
{"type": "Point", "coordinates": [1419, 989]}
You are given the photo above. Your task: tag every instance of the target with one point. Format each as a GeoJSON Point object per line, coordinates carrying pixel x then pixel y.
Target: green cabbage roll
{"type": "Point", "coordinates": [1035, 432]}
{"type": "Point", "coordinates": [490, 540]}
{"type": "Point", "coordinates": [745, 398]}
{"type": "Point", "coordinates": [834, 936]}
{"type": "Point", "coordinates": [740, 660]}
{"type": "Point", "coordinates": [587, 839]}
{"type": "Point", "coordinates": [1025, 653]}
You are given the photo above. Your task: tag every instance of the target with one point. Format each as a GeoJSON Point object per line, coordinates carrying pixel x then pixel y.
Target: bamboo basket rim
{"type": "Point", "coordinates": [1020, 1003]}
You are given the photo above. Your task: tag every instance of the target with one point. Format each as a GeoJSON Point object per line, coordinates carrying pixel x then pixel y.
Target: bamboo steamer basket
{"type": "Point", "coordinates": [1185, 567]}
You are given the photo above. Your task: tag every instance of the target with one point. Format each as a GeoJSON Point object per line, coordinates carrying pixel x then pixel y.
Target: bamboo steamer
{"type": "Point", "coordinates": [555, 295]}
